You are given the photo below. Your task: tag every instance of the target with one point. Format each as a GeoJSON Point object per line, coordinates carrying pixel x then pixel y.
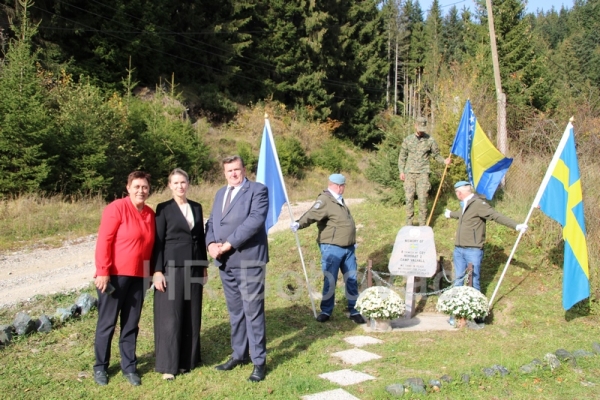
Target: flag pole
{"type": "Point", "coordinates": [438, 192]}
{"type": "Point", "coordinates": [536, 200]}
{"type": "Point", "coordinates": [287, 201]}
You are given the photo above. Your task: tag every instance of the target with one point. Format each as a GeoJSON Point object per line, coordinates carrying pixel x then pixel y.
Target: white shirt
{"type": "Point", "coordinates": [186, 210]}
{"type": "Point", "coordinates": [336, 196]}
{"type": "Point", "coordinates": [466, 200]}
{"type": "Point", "coordinates": [235, 191]}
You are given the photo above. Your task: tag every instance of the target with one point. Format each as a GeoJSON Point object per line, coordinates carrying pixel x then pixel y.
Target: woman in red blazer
{"type": "Point", "coordinates": [123, 252]}
{"type": "Point", "coordinates": [179, 261]}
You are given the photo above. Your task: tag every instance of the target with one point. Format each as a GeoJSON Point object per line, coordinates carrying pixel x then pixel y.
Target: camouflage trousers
{"type": "Point", "coordinates": [419, 184]}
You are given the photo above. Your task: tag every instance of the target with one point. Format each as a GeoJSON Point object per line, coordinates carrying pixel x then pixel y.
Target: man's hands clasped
{"type": "Point", "coordinates": [216, 250]}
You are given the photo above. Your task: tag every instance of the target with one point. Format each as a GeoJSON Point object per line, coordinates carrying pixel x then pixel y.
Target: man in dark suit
{"type": "Point", "coordinates": [237, 240]}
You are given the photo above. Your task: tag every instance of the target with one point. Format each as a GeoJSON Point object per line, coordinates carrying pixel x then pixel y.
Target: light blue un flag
{"type": "Point", "coordinates": [269, 174]}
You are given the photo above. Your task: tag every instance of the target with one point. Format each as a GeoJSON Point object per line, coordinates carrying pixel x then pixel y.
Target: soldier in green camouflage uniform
{"type": "Point", "coordinates": [413, 163]}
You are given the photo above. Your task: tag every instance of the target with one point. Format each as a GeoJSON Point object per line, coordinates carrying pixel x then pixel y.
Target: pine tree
{"type": "Point", "coordinates": [520, 68]}
{"type": "Point", "coordinates": [453, 31]}
{"type": "Point", "coordinates": [25, 125]}
{"type": "Point", "coordinates": [432, 60]}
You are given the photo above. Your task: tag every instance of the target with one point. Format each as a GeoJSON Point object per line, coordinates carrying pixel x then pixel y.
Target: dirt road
{"type": "Point", "coordinates": [27, 273]}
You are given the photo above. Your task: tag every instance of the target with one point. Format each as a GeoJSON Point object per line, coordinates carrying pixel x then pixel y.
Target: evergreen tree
{"type": "Point", "coordinates": [453, 32]}
{"type": "Point", "coordinates": [165, 139]}
{"type": "Point", "coordinates": [91, 141]}
{"type": "Point", "coordinates": [520, 69]}
{"type": "Point", "coordinates": [25, 125]}
{"type": "Point", "coordinates": [418, 45]}
{"type": "Point", "coordinates": [397, 48]}
{"type": "Point", "coordinates": [432, 60]}
{"type": "Point", "coordinates": [357, 77]}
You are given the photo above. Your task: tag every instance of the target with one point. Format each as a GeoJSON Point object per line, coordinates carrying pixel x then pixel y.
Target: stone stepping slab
{"type": "Point", "coordinates": [337, 394]}
{"type": "Point", "coordinates": [356, 356]}
{"type": "Point", "coordinates": [360, 341]}
{"type": "Point", "coordinates": [346, 377]}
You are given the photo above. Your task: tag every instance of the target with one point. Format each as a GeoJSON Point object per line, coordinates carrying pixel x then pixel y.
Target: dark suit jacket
{"type": "Point", "coordinates": [242, 225]}
{"type": "Point", "coordinates": [174, 241]}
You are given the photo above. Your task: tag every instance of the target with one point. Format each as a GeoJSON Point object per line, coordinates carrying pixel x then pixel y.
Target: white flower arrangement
{"type": "Point", "coordinates": [463, 302]}
{"type": "Point", "coordinates": [379, 302]}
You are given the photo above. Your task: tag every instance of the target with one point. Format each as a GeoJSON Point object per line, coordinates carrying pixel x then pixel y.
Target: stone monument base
{"type": "Point", "coordinates": [427, 321]}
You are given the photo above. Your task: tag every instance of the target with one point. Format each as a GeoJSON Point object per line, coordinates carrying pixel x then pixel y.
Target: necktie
{"type": "Point", "coordinates": [228, 198]}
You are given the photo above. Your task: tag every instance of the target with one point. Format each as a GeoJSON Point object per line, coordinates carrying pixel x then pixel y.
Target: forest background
{"type": "Point", "coordinates": [92, 90]}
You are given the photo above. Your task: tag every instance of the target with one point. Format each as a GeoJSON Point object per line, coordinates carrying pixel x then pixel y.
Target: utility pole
{"type": "Point", "coordinates": [501, 139]}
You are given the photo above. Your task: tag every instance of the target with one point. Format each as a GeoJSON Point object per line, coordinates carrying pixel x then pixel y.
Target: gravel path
{"type": "Point", "coordinates": [26, 273]}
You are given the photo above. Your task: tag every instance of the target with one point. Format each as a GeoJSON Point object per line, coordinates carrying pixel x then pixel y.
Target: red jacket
{"type": "Point", "coordinates": [125, 240]}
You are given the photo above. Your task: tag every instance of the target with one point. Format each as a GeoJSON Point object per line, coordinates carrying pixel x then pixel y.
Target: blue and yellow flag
{"type": "Point", "coordinates": [268, 172]}
{"type": "Point", "coordinates": [486, 166]}
{"type": "Point", "coordinates": [560, 198]}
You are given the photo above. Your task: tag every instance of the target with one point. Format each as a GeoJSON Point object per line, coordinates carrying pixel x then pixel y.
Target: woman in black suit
{"type": "Point", "coordinates": [180, 263]}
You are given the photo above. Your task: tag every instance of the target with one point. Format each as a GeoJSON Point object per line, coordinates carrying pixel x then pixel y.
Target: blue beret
{"type": "Point", "coordinates": [460, 184]}
{"type": "Point", "coordinates": [338, 179]}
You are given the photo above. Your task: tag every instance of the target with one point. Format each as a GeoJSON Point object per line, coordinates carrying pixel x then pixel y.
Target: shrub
{"type": "Point", "coordinates": [292, 157]}
{"type": "Point", "coordinates": [332, 157]}
{"type": "Point", "coordinates": [383, 169]}
{"type": "Point", "coordinates": [167, 140]}
{"type": "Point", "coordinates": [249, 156]}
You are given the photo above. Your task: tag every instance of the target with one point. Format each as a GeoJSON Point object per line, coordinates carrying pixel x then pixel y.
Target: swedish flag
{"type": "Point", "coordinates": [561, 199]}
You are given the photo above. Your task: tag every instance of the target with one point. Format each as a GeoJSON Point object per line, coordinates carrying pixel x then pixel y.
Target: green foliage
{"type": "Point", "coordinates": [292, 157]}
{"type": "Point", "coordinates": [214, 104]}
{"type": "Point", "coordinates": [383, 168]}
{"type": "Point", "coordinates": [332, 157]}
{"type": "Point", "coordinates": [249, 156]}
{"type": "Point", "coordinates": [520, 69]}
{"type": "Point", "coordinates": [529, 329]}
{"type": "Point", "coordinates": [91, 138]}
{"type": "Point", "coordinates": [25, 123]}
{"type": "Point", "coordinates": [166, 140]}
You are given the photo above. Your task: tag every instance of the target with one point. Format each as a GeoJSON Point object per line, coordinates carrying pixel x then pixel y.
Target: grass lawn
{"type": "Point", "coordinates": [527, 322]}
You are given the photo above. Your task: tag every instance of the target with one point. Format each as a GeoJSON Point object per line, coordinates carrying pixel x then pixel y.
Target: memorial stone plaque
{"type": "Point", "coordinates": [413, 255]}
{"type": "Point", "coordinates": [414, 252]}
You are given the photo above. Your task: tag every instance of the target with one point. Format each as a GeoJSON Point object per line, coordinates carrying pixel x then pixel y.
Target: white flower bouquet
{"type": "Point", "coordinates": [463, 302]}
{"type": "Point", "coordinates": [379, 302]}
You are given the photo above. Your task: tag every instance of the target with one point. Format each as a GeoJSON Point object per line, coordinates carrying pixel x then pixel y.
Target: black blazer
{"type": "Point", "coordinates": [174, 242]}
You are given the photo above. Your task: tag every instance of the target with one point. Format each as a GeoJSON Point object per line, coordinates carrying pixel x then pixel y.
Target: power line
{"type": "Point", "coordinates": [108, 33]}
{"type": "Point", "coordinates": [271, 68]}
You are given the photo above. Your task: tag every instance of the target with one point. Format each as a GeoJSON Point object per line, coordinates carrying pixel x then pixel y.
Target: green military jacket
{"type": "Point", "coordinates": [471, 223]}
{"type": "Point", "coordinates": [334, 221]}
{"type": "Point", "coordinates": [415, 153]}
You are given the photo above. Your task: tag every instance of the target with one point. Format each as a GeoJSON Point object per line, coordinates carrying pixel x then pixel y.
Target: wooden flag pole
{"type": "Point", "coordinates": [438, 192]}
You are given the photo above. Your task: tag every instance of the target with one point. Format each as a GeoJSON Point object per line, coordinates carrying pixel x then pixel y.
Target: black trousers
{"type": "Point", "coordinates": [177, 320]}
{"type": "Point", "coordinates": [126, 301]}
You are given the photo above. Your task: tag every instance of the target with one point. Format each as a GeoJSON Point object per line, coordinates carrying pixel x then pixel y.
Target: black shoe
{"type": "Point", "coordinates": [133, 378]}
{"type": "Point", "coordinates": [358, 319]}
{"type": "Point", "coordinates": [258, 373]}
{"type": "Point", "coordinates": [231, 364]}
{"type": "Point", "coordinates": [101, 378]}
{"type": "Point", "coordinates": [323, 318]}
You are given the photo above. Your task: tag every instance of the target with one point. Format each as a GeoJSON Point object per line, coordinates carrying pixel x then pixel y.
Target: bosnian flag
{"type": "Point", "coordinates": [486, 166]}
